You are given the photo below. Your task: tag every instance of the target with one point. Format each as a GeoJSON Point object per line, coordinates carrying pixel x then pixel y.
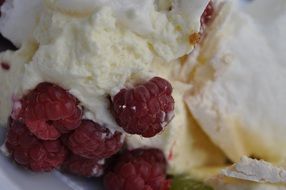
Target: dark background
{"type": "Point", "coordinates": [5, 44]}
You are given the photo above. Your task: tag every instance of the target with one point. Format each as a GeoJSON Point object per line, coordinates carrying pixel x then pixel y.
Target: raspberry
{"type": "Point", "coordinates": [48, 111]}
{"type": "Point", "coordinates": [32, 153]}
{"type": "Point", "coordinates": [5, 66]}
{"type": "Point", "coordinates": [146, 109]}
{"type": "Point", "coordinates": [151, 155]}
{"type": "Point", "coordinates": [84, 167]}
{"type": "Point", "coordinates": [93, 141]}
{"type": "Point", "coordinates": [208, 14]}
{"type": "Point", "coordinates": [138, 169]}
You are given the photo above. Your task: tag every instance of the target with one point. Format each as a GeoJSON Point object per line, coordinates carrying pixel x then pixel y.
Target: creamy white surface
{"type": "Point", "coordinates": [10, 80]}
{"type": "Point", "coordinates": [241, 103]}
{"type": "Point", "coordinates": [145, 17]}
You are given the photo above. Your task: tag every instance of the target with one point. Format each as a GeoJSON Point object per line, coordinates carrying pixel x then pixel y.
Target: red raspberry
{"type": "Point", "coordinates": [5, 66]}
{"type": "Point", "coordinates": [138, 169]}
{"type": "Point", "coordinates": [32, 153]}
{"type": "Point", "coordinates": [146, 109]}
{"type": "Point", "coordinates": [48, 111]}
{"type": "Point", "coordinates": [151, 155]}
{"type": "Point", "coordinates": [83, 166]}
{"type": "Point", "coordinates": [93, 141]}
{"type": "Point", "coordinates": [208, 14]}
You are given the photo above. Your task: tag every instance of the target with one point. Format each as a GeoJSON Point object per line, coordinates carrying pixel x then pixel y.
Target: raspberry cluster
{"type": "Point", "coordinates": [47, 131]}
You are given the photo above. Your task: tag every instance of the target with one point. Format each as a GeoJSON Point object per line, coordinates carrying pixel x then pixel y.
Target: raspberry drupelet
{"type": "Point", "coordinates": [141, 169]}
{"type": "Point", "coordinates": [32, 153]}
{"type": "Point", "coordinates": [49, 111]}
{"type": "Point", "coordinates": [145, 109]}
{"type": "Point", "coordinates": [84, 167]}
{"type": "Point", "coordinates": [92, 141]}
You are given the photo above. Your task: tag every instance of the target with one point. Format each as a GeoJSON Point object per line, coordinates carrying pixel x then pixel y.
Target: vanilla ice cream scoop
{"type": "Point", "coordinates": [239, 93]}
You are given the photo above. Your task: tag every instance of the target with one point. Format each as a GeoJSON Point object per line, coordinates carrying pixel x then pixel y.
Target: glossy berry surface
{"type": "Point", "coordinates": [48, 111]}
{"type": "Point", "coordinates": [32, 153]}
{"type": "Point", "coordinates": [84, 167]}
{"type": "Point", "coordinates": [145, 109]}
{"type": "Point", "coordinates": [141, 169]}
{"type": "Point", "coordinates": [92, 141]}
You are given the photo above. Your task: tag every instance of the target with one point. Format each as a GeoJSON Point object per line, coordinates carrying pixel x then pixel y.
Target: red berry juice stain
{"type": "Point", "coordinates": [5, 66]}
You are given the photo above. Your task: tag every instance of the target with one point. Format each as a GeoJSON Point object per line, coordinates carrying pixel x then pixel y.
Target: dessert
{"type": "Point", "coordinates": [162, 87]}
